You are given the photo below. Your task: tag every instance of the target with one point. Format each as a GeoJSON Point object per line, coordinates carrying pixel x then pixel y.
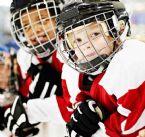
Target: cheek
{"type": "Point", "coordinates": [103, 44]}
{"type": "Point", "coordinates": [51, 34]}
{"type": "Point", "coordinates": [29, 34]}
{"type": "Point", "coordinates": [50, 25]}
{"type": "Point", "coordinates": [50, 29]}
{"type": "Point", "coordinates": [79, 54]}
{"type": "Point", "coordinates": [100, 43]}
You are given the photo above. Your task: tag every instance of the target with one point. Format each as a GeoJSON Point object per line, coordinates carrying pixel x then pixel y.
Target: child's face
{"type": "Point", "coordinates": [89, 41]}
{"type": "Point", "coordinates": [38, 26]}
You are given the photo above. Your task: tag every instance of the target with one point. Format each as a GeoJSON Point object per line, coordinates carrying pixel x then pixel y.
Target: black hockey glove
{"type": "Point", "coordinates": [46, 81]}
{"type": "Point", "coordinates": [2, 122]}
{"type": "Point", "coordinates": [84, 121]}
{"type": "Point", "coordinates": [17, 121]}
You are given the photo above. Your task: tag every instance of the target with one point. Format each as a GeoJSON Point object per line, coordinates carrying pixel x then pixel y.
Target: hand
{"type": "Point", "coordinates": [84, 121]}
{"type": "Point", "coordinates": [17, 121]}
{"type": "Point", "coordinates": [46, 81]}
{"type": "Point", "coordinates": [141, 133]}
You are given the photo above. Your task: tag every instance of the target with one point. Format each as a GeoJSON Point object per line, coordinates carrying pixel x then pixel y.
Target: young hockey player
{"type": "Point", "coordinates": [34, 28]}
{"type": "Point", "coordinates": [94, 42]}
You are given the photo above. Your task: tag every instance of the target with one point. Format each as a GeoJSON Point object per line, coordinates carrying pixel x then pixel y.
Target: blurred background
{"type": "Point", "coordinates": [6, 40]}
{"type": "Point", "coordinates": [135, 8]}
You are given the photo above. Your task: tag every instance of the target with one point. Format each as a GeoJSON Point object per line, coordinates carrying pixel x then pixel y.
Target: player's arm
{"type": "Point", "coordinates": [46, 109]}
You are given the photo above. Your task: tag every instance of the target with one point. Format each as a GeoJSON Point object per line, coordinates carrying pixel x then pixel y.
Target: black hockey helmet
{"type": "Point", "coordinates": [113, 18]}
{"type": "Point", "coordinates": [18, 8]}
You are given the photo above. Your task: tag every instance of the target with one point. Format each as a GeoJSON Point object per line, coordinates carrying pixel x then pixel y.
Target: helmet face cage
{"type": "Point", "coordinates": [89, 44]}
{"type": "Point", "coordinates": [42, 38]}
{"type": "Point", "coordinates": [8, 73]}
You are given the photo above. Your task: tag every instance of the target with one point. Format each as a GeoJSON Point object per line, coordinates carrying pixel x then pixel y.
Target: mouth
{"type": "Point", "coordinates": [38, 39]}
{"type": "Point", "coordinates": [91, 54]}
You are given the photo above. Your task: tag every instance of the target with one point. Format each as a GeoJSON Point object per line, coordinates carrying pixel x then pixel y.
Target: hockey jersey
{"type": "Point", "coordinates": [40, 102]}
{"type": "Point", "coordinates": [53, 108]}
{"type": "Point", "coordinates": [29, 68]}
{"type": "Point", "coordinates": [121, 89]}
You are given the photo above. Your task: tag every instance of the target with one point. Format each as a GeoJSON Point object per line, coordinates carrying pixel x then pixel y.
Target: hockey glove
{"type": "Point", "coordinates": [84, 121]}
{"type": "Point", "coordinates": [46, 81]}
{"type": "Point", "coordinates": [2, 122]}
{"type": "Point", "coordinates": [17, 121]}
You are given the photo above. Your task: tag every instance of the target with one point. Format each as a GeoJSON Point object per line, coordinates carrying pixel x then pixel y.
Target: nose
{"type": "Point", "coordinates": [84, 45]}
{"type": "Point", "coordinates": [37, 28]}
{"type": "Point", "coordinates": [88, 46]}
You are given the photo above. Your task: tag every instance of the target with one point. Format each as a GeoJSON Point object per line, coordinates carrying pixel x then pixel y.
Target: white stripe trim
{"type": "Point", "coordinates": [9, 122]}
{"type": "Point", "coordinates": [123, 111]}
{"type": "Point", "coordinates": [73, 133]}
{"type": "Point", "coordinates": [7, 112]}
{"type": "Point", "coordinates": [70, 109]}
{"type": "Point", "coordinates": [73, 117]}
{"type": "Point", "coordinates": [21, 119]}
{"type": "Point", "coordinates": [14, 105]}
{"type": "Point", "coordinates": [53, 90]}
{"type": "Point", "coordinates": [138, 125]}
{"type": "Point", "coordinates": [44, 90]}
{"type": "Point", "coordinates": [15, 127]}
{"type": "Point", "coordinates": [33, 84]}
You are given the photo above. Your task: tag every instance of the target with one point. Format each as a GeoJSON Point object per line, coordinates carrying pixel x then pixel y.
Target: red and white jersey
{"type": "Point", "coordinates": [70, 85]}
{"type": "Point", "coordinates": [121, 89]}
{"type": "Point", "coordinates": [57, 108]}
{"type": "Point", "coordinates": [73, 83]}
{"type": "Point", "coordinates": [46, 108]}
{"type": "Point", "coordinates": [25, 60]}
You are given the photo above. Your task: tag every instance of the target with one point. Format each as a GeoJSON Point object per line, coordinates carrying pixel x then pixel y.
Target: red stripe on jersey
{"type": "Point", "coordinates": [24, 89]}
{"type": "Point", "coordinates": [133, 100]}
{"type": "Point", "coordinates": [56, 62]}
{"type": "Point", "coordinates": [64, 102]}
{"type": "Point", "coordinates": [99, 94]}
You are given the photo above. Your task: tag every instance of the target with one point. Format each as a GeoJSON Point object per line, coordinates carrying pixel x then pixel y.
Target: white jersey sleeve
{"type": "Point", "coordinates": [44, 110]}
{"type": "Point", "coordinates": [24, 60]}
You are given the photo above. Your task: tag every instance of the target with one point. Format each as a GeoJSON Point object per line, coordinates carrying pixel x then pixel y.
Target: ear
{"type": "Point", "coordinates": [121, 25]}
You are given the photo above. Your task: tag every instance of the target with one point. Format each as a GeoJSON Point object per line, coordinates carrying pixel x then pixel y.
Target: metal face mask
{"type": "Point", "coordinates": [34, 28]}
{"type": "Point", "coordinates": [88, 46]}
